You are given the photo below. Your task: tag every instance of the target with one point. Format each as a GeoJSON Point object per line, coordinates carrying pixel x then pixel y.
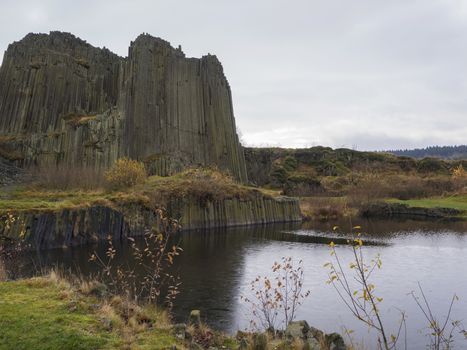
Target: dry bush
{"type": "Point", "coordinates": [125, 173]}
{"type": "Point", "coordinates": [68, 177]}
{"type": "Point", "coordinates": [323, 208]}
{"type": "Point", "coordinates": [459, 177]}
{"type": "Point", "coordinates": [154, 258]}
{"type": "Point", "coordinates": [367, 188]}
{"type": "Point", "coordinates": [204, 185]}
{"type": "Point", "coordinates": [210, 184]}
{"type": "Point", "coordinates": [275, 299]}
{"type": "Point", "coordinates": [337, 185]}
{"type": "Point", "coordinates": [407, 187]}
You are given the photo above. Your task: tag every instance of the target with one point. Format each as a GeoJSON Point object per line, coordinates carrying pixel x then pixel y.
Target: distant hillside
{"type": "Point", "coordinates": [444, 152]}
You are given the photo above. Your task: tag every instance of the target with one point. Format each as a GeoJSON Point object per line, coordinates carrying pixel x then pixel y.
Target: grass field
{"type": "Point", "coordinates": [43, 313]}
{"type": "Point", "coordinates": [458, 202]}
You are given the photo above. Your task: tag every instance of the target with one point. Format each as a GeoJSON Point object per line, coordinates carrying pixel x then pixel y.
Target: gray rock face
{"type": "Point", "coordinates": [63, 101]}
{"type": "Point", "coordinates": [47, 77]}
{"type": "Point", "coordinates": [73, 227]}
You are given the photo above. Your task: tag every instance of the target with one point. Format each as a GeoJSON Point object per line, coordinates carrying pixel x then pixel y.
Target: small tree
{"type": "Point", "coordinates": [275, 300]}
{"type": "Point", "coordinates": [355, 289]}
{"type": "Point", "coordinates": [154, 258]}
{"type": "Point", "coordinates": [440, 331]}
{"type": "Point", "coordinates": [125, 173]}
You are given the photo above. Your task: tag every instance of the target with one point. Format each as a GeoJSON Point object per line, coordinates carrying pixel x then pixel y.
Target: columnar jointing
{"type": "Point", "coordinates": [63, 101]}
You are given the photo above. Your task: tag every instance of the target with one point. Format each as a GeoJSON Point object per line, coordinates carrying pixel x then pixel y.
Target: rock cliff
{"type": "Point", "coordinates": [77, 226]}
{"type": "Point", "coordinates": [63, 101]}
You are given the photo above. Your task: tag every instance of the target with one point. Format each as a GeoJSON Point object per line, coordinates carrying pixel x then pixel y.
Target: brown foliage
{"type": "Point", "coordinates": [125, 173]}
{"type": "Point", "coordinates": [68, 177]}
{"type": "Point", "coordinates": [205, 185]}
{"type": "Point", "coordinates": [323, 208]}
{"type": "Point", "coordinates": [369, 187]}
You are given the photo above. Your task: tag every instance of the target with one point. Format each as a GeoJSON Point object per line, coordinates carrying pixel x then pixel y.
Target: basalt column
{"type": "Point", "coordinates": [45, 78]}
{"type": "Point", "coordinates": [65, 102]}
{"type": "Point", "coordinates": [178, 110]}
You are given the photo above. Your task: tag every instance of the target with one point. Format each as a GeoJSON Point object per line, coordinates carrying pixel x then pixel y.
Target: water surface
{"type": "Point", "coordinates": [217, 266]}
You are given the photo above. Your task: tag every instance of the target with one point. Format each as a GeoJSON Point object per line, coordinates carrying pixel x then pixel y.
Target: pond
{"type": "Point", "coordinates": [216, 267]}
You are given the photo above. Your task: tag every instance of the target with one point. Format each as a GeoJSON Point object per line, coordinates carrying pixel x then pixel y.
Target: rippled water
{"type": "Point", "coordinates": [217, 266]}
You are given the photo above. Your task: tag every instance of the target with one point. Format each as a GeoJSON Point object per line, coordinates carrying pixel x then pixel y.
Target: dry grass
{"type": "Point", "coordinates": [365, 188]}
{"type": "Point", "coordinates": [131, 322]}
{"type": "Point", "coordinates": [67, 178]}
{"type": "Point", "coordinates": [125, 173]}
{"type": "Point", "coordinates": [324, 208]}
{"type": "Point", "coordinates": [204, 185]}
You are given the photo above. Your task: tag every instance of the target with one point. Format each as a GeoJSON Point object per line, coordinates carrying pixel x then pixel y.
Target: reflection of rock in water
{"type": "Point", "coordinates": [212, 266]}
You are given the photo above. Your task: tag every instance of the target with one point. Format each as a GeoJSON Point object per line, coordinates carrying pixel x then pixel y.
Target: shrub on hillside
{"type": "Point", "coordinates": [125, 173]}
{"type": "Point", "coordinates": [431, 165]}
{"type": "Point", "coordinates": [279, 175]}
{"type": "Point", "coordinates": [290, 163]}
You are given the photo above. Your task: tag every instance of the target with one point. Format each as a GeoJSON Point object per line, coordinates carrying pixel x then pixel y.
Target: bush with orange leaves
{"type": "Point", "coordinates": [125, 173]}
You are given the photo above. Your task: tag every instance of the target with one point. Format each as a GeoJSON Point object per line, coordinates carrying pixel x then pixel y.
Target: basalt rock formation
{"type": "Point", "coordinates": [63, 101]}
{"type": "Point", "coordinates": [88, 224]}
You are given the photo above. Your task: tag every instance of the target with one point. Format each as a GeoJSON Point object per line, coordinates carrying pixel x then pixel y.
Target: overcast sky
{"type": "Point", "coordinates": [364, 74]}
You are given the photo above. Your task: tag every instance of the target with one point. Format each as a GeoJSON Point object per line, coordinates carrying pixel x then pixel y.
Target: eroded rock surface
{"type": "Point", "coordinates": [63, 101]}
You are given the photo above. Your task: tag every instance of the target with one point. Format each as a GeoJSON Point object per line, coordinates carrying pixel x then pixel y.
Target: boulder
{"type": "Point", "coordinates": [297, 329]}
{"type": "Point", "coordinates": [335, 341]}
{"type": "Point", "coordinates": [180, 330]}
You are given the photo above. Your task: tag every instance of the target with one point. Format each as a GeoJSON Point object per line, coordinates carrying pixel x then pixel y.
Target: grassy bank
{"type": "Point", "coordinates": [458, 202]}
{"type": "Point", "coordinates": [48, 313]}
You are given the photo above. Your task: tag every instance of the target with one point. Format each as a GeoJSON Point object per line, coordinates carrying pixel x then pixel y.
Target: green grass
{"type": "Point", "coordinates": [458, 202]}
{"type": "Point", "coordinates": [43, 313]}
{"type": "Point", "coordinates": [34, 315]}
{"type": "Point", "coordinates": [29, 199]}
{"type": "Point", "coordinates": [49, 313]}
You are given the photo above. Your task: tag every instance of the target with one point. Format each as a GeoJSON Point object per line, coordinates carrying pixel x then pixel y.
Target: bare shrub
{"type": "Point", "coordinates": [125, 173]}
{"type": "Point", "coordinates": [276, 299]}
{"type": "Point", "coordinates": [155, 258]}
{"type": "Point", "coordinates": [11, 247]}
{"type": "Point", "coordinates": [68, 177]}
{"type": "Point", "coordinates": [439, 331]}
{"type": "Point", "coordinates": [359, 295]}
{"type": "Point", "coordinates": [367, 188]}
{"type": "Point", "coordinates": [354, 287]}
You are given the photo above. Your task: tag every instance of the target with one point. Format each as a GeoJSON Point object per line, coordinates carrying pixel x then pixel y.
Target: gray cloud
{"type": "Point", "coordinates": [370, 74]}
